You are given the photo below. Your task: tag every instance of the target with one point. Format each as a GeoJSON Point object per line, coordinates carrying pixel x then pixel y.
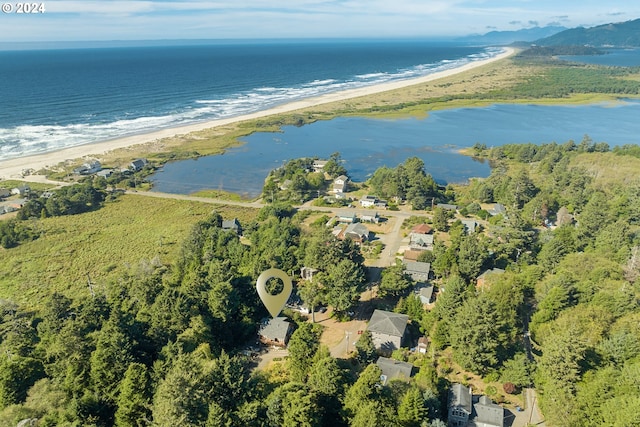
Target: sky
{"type": "Point", "coordinates": [75, 20]}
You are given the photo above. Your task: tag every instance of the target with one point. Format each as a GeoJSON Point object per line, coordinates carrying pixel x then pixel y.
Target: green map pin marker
{"type": "Point", "coordinates": [274, 303]}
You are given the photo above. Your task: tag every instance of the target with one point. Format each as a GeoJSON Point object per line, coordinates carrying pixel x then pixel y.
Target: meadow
{"type": "Point", "coordinates": [101, 246]}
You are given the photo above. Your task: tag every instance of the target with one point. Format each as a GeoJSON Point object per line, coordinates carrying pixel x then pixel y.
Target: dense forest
{"type": "Point", "coordinates": [164, 344]}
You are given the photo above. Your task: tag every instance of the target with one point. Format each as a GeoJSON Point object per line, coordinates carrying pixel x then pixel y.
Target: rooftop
{"type": "Point", "coordinates": [386, 322]}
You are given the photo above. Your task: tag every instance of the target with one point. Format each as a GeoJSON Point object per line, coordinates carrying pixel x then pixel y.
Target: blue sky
{"type": "Point", "coordinates": [223, 19]}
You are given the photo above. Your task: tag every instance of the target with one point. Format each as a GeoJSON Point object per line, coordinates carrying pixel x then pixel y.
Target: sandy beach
{"type": "Point", "coordinates": [12, 168]}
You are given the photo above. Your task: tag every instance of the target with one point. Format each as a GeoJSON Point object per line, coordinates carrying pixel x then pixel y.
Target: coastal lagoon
{"type": "Point", "coordinates": [611, 57]}
{"type": "Point", "coordinates": [366, 144]}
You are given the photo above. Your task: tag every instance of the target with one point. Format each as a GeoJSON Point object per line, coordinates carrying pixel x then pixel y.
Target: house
{"type": "Point", "coordinates": [318, 165]}
{"type": "Point", "coordinates": [232, 224]}
{"type": "Point", "coordinates": [423, 345]}
{"type": "Point", "coordinates": [459, 405]}
{"type": "Point", "coordinates": [4, 193]}
{"type": "Point", "coordinates": [356, 232]}
{"type": "Point", "coordinates": [421, 242]}
{"type": "Point", "coordinates": [425, 293]}
{"type": "Point", "coordinates": [368, 201]}
{"type": "Point", "coordinates": [375, 218]}
{"type": "Point", "coordinates": [137, 165]}
{"type": "Point", "coordinates": [465, 410]}
{"type": "Point", "coordinates": [306, 273]}
{"type": "Point", "coordinates": [104, 173]}
{"type": "Point", "coordinates": [88, 168]}
{"type": "Point", "coordinates": [563, 217]}
{"type": "Point", "coordinates": [394, 369]}
{"type": "Point", "coordinates": [470, 225]}
{"type": "Point", "coordinates": [447, 207]}
{"type": "Point", "coordinates": [419, 271]}
{"type": "Point", "coordinates": [497, 209]}
{"type": "Point", "coordinates": [382, 204]}
{"type": "Point", "coordinates": [285, 185]}
{"type": "Point", "coordinates": [22, 190]}
{"type": "Point", "coordinates": [275, 331]}
{"type": "Point", "coordinates": [388, 330]}
{"type": "Point", "coordinates": [347, 218]}
{"type": "Point", "coordinates": [486, 414]}
{"type": "Point", "coordinates": [484, 279]}
{"type": "Point", "coordinates": [340, 184]}
{"type": "Point", "coordinates": [422, 229]}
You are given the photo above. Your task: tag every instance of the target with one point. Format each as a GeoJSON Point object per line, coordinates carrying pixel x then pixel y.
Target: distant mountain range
{"type": "Point", "coordinates": [508, 37]}
{"type": "Point", "coordinates": [623, 34]}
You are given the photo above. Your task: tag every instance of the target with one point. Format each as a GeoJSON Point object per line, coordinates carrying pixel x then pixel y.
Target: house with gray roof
{"type": "Point", "coordinates": [421, 241]}
{"type": "Point", "coordinates": [394, 369]}
{"type": "Point", "coordinates": [137, 165]}
{"type": "Point", "coordinates": [459, 405]}
{"type": "Point", "coordinates": [497, 209]}
{"type": "Point", "coordinates": [275, 331]}
{"type": "Point", "coordinates": [425, 293]}
{"type": "Point", "coordinates": [470, 225]}
{"type": "Point", "coordinates": [467, 410]}
{"type": "Point", "coordinates": [486, 414]}
{"type": "Point", "coordinates": [232, 224]}
{"type": "Point", "coordinates": [388, 330]}
{"type": "Point", "coordinates": [357, 232]}
{"type": "Point", "coordinates": [447, 207]}
{"type": "Point", "coordinates": [419, 271]}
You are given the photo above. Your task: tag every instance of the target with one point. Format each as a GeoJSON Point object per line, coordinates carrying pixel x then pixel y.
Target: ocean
{"type": "Point", "coordinates": [53, 99]}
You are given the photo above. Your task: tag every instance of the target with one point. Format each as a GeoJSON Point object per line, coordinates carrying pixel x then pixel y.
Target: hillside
{"type": "Point", "coordinates": [508, 37]}
{"type": "Point", "coordinates": [623, 34]}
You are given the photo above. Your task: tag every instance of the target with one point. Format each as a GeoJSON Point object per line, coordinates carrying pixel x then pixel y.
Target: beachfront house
{"type": "Point", "coordinates": [137, 165]}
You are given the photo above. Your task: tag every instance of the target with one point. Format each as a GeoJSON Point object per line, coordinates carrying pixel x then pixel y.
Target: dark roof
{"type": "Point", "coordinates": [276, 329]}
{"type": "Point", "coordinates": [460, 396]}
{"type": "Point", "coordinates": [392, 368]}
{"type": "Point", "coordinates": [488, 413]}
{"type": "Point", "coordinates": [386, 322]}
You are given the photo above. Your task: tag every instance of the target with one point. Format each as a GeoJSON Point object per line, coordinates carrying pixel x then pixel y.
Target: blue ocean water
{"type": "Point", "coordinates": [53, 99]}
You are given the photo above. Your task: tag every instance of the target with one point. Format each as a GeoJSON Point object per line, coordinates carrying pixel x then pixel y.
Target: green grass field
{"type": "Point", "coordinates": [103, 244]}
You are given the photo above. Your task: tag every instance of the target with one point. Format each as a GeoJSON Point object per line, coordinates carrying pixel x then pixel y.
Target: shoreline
{"type": "Point", "coordinates": [12, 168]}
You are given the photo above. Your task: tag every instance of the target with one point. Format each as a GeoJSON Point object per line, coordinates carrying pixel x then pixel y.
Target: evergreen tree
{"type": "Point", "coordinates": [134, 400]}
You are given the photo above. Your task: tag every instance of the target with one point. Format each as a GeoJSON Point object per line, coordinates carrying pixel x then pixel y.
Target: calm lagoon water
{"type": "Point", "coordinates": [612, 57]}
{"type": "Point", "coordinates": [366, 144]}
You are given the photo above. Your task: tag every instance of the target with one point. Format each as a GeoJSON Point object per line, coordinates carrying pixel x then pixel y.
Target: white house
{"type": "Point", "coordinates": [368, 201]}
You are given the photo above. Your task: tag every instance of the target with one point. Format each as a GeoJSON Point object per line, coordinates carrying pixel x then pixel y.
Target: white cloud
{"type": "Point", "coordinates": [152, 19]}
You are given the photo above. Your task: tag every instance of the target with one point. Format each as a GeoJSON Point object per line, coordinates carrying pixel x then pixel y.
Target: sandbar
{"type": "Point", "coordinates": [13, 168]}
